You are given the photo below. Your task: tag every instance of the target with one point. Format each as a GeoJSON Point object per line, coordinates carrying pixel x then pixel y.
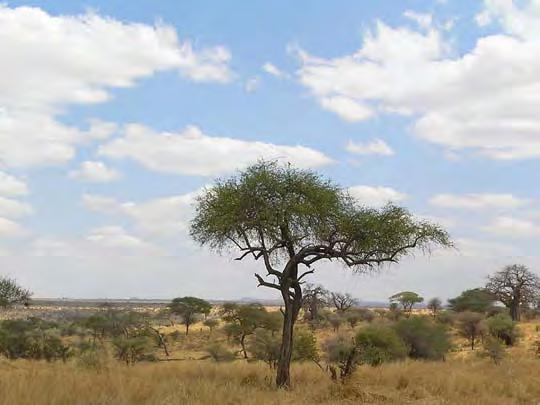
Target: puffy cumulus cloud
{"type": "Point", "coordinates": [478, 201]}
{"type": "Point", "coordinates": [167, 216]}
{"type": "Point", "coordinates": [10, 185]}
{"type": "Point", "coordinates": [96, 172]}
{"type": "Point", "coordinates": [192, 152]}
{"type": "Point", "coordinates": [376, 196]}
{"type": "Point", "coordinates": [373, 147]}
{"type": "Point", "coordinates": [50, 62]}
{"type": "Point", "coordinates": [484, 100]}
{"type": "Point", "coordinates": [513, 227]}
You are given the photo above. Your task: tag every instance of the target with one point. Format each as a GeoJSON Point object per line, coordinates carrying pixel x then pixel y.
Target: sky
{"type": "Point", "coordinates": [114, 115]}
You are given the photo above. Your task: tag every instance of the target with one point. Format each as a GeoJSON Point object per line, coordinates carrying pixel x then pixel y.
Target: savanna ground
{"type": "Point", "coordinates": [190, 377]}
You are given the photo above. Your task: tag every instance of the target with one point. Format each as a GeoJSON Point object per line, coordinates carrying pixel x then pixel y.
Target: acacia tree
{"type": "Point", "coordinates": [12, 293]}
{"type": "Point", "coordinates": [189, 308]}
{"type": "Point", "coordinates": [407, 299]}
{"type": "Point", "coordinates": [516, 287]}
{"type": "Point", "coordinates": [291, 219]}
{"type": "Point", "coordinates": [342, 302]}
{"type": "Point", "coordinates": [434, 305]}
{"type": "Point", "coordinates": [476, 300]}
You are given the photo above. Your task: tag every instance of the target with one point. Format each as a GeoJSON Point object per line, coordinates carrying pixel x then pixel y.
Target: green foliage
{"type": "Point", "coordinates": [424, 338]}
{"type": "Point", "coordinates": [268, 202]}
{"type": "Point", "coordinates": [503, 328]}
{"type": "Point", "coordinates": [189, 308]}
{"type": "Point", "coordinates": [264, 346]}
{"type": "Point", "coordinates": [377, 344]}
{"type": "Point", "coordinates": [133, 349]}
{"type": "Point", "coordinates": [220, 353]}
{"type": "Point", "coordinates": [11, 293]}
{"type": "Point", "coordinates": [305, 346]}
{"type": "Point", "coordinates": [32, 339]}
{"type": "Point", "coordinates": [475, 300]}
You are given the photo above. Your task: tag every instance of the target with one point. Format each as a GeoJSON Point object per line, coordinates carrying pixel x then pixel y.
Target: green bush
{"type": "Point", "coordinates": [133, 349]}
{"type": "Point", "coordinates": [264, 346]}
{"type": "Point", "coordinates": [305, 346]}
{"type": "Point", "coordinates": [493, 349]}
{"type": "Point", "coordinates": [423, 338]}
{"type": "Point", "coordinates": [377, 344]}
{"type": "Point", "coordinates": [503, 327]}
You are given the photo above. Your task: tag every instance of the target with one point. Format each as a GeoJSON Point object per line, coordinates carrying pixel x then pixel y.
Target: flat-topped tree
{"type": "Point", "coordinates": [189, 308]}
{"type": "Point", "coordinates": [291, 219]}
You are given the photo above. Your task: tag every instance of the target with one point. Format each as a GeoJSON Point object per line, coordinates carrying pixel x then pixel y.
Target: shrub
{"type": "Point", "coordinates": [264, 346]}
{"type": "Point", "coordinates": [447, 317]}
{"type": "Point", "coordinates": [503, 327]}
{"type": "Point", "coordinates": [424, 338]}
{"type": "Point", "coordinates": [377, 344]}
{"type": "Point", "coordinates": [472, 326]}
{"type": "Point", "coordinates": [336, 321]}
{"type": "Point", "coordinates": [340, 351]}
{"type": "Point", "coordinates": [493, 349]}
{"type": "Point", "coordinates": [305, 346]}
{"type": "Point", "coordinates": [133, 349]}
{"type": "Point", "coordinates": [219, 353]}
{"type": "Point", "coordinates": [211, 323]}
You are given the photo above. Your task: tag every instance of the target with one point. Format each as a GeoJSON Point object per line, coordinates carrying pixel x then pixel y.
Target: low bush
{"type": "Point", "coordinates": [424, 338]}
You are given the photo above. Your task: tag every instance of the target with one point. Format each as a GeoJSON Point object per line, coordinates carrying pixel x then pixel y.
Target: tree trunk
{"type": "Point", "coordinates": [243, 345]}
{"type": "Point", "coordinates": [515, 312]}
{"type": "Point", "coordinates": [187, 328]}
{"type": "Point", "coordinates": [283, 377]}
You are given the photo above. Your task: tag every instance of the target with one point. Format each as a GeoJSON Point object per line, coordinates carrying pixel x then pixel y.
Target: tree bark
{"type": "Point", "coordinates": [243, 345]}
{"type": "Point", "coordinates": [515, 312]}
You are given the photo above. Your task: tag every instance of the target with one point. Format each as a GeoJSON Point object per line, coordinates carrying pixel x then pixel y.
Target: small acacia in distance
{"type": "Point", "coordinates": [291, 219]}
{"type": "Point", "coordinates": [12, 294]}
{"type": "Point", "coordinates": [189, 308]}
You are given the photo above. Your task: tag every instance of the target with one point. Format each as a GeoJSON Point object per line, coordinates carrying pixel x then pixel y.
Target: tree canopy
{"type": "Point", "coordinates": [475, 300]}
{"type": "Point", "coordinates": [407, 299]}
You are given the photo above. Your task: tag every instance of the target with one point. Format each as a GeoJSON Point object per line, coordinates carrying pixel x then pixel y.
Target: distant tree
{"type": "Point", "coordinates": [434, 305]}
{"type": "Point", "coordinates": [290, 218]}
{"type": "Point", "coordinates": [516, 287]}
{"type": "Point", "coordinates": [246, 319]}
{"type": "Point", "coordinates": [407, 299]}
{"type": "Point", "coordinates": [12, 294]}
{"type": "Point", "coordinates": [313, 299]}
{"type": "Point", "coordinates": [189, 309]}
{"type": "Point", "coordinates": [211, 323]}
{"type": "Point", "coordinates": [475, 300]}
{"type": "Point", "coordinates": [471, 325]}
{"type": "Point", "coordinates": [342, 302]}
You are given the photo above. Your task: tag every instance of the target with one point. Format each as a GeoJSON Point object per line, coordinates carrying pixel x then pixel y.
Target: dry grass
{"type": "Point", "coordinates": [472, 381]}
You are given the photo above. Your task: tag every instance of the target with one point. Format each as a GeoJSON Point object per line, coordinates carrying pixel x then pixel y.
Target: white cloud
{"type": "Point", "coordinates": [513, 227]}
{"type": "Point", "coordinates": [477, 201]}
{"type": "Point", "coordinates": [273, 70]}
{"type": "Point", "coordinates": [166, 216]}
{"type": "Point", "coordinates": [96, 172]}
{"type": "Point", "coordinates": [51, 62]}
{"type": "Point", "coordinates": [485, 100]}
{"type": "Point", "coordinates": [115, 237]}
{"type": "Point", "coordinates": [376, 196]}
{"type": "Point", "coordinates": [191, 152]}
{"type": "Point", "coordinates": [9, 228]}
{"type": "Point", "coordinates": [423, 20]}
{"type": "Point", "coordinates": [373, 147]}
{"type": "Point", "coordinates": [13, 209]}
{"type": "Point", "coordinates": [347, 108]}
{"type": "Point", "coordinates": [10, 185]}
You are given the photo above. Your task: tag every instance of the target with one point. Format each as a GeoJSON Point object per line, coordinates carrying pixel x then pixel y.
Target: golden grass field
{"type": "Point", "coordinates": [465, 378]}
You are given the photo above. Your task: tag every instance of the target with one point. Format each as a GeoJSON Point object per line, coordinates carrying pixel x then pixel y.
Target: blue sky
{"type": "Point", "coordinates": [113, 116]}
